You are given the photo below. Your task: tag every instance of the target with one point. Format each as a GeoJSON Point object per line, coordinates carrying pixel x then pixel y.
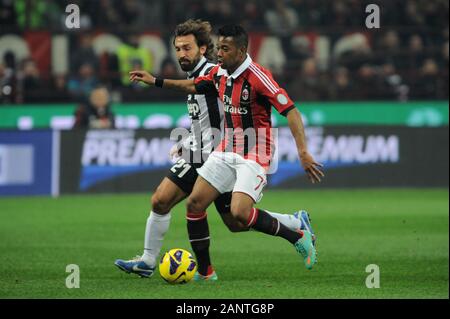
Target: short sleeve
{"type": "Point", "coordinates": [205, 84]}
{"type": "Point", "coordinates": [269, 88]}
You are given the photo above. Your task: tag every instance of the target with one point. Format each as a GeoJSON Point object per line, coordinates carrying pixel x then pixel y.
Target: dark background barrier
{"type": "Point", "coordinates": [113, 161]}
{"type": "Point", "coordinates": [386, 156]}
{"type": "Point", "coordinates": [28, 163]}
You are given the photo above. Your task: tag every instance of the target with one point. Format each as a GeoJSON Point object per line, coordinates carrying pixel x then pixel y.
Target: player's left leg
{"type": "Point", "coordinates": [223, 207]}
{"type": "Point", "coordinates": [305, 221]}
{"type": "Point", "coordinates": [259, 220]}
{"type": "Point", "coordinates": [250, 181]}
{"type": "Point", "coordinates": [298, 220]}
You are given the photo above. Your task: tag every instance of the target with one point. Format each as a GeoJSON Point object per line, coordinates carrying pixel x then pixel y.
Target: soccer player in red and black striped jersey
{"type": "Point", "coordinates": [248, 92]}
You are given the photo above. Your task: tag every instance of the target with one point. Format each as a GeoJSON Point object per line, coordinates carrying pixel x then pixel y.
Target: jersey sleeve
{"type": "Point", "coordinates": [205, 84]}
{"type": "Point", "coordinates": [276, 96]}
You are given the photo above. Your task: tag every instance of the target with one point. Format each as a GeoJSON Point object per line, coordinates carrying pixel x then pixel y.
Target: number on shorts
{"type": "Point", "coordinates": [181, 164]}
{"type": "Point", "coordinates": [261, 183]}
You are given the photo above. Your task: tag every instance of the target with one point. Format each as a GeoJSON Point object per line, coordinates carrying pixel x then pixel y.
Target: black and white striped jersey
{"type": "Point", "coordinates": [206, 113]}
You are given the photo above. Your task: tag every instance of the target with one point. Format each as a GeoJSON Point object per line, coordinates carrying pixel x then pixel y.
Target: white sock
{"type": "Point", "coordinates": [287, 220]}
{"type": "Point", "coordinates": [157, 226]}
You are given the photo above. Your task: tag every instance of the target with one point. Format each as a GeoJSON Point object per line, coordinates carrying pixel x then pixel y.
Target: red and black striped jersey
{"type": "Point", "coordinates": [248, 96]}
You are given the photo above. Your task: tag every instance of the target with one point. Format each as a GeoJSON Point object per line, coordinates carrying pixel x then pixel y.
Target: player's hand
{"type": "Point", "coordinates": [175, 152]}
{"type": "Point", "coordinates": [311, 167]}
{"type": "Point", "coordinates": [142, 76]}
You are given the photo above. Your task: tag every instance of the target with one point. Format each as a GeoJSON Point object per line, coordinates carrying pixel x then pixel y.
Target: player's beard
{"type": "Point", "coordinates": [187, 67]}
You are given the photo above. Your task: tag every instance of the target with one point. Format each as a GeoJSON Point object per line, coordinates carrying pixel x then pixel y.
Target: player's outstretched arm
{"type": "Point", "coordinates": [145, 77]}
{"type": "Point", "coordinates": [311, 167]}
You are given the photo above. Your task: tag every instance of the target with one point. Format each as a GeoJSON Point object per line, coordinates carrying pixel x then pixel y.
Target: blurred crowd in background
{"type": "Point", "coordinates": [406, 59]}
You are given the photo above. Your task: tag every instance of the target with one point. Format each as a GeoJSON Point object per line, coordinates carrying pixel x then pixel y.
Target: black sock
{"type": "Point", "coordinates": [262, 221]}
{"type": "Point", "coordinates": [198, 231]}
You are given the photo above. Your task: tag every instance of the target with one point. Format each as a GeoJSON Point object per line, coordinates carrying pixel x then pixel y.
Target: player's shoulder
{"type": "Point", "coordinates": [208, 68]}
{"type": "Point", "coordinates": [261, 77]}
{"type": "Point", "coordinates": [256, 68]}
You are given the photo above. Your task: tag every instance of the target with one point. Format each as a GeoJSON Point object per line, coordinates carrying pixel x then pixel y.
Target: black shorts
{"type": "Point", "coordinates": [185, 174]}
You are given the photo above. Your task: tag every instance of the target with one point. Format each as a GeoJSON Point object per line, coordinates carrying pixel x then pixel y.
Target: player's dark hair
{"type": "Point", "coordinates": [238, 34]}
{"type": "Point", "coordinates": [201, 30]}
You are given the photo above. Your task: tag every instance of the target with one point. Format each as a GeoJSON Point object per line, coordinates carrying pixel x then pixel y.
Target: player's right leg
{"type": "Point", "coordinates": [203, 194]}
{"type": "Point", "coordinates": [215, 177]}
{"type": "Point", "coordinates": [167, 195]}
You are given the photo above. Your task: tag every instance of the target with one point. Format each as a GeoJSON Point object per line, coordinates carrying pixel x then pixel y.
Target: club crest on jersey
{"type": "Point", "coordinates": [245, 94]}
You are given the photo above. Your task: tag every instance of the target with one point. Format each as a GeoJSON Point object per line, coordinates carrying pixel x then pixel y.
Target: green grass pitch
{"type": "Point", "coordinates": [403, 231]}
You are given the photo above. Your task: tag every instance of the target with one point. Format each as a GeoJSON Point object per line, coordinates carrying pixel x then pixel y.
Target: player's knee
{"type": "Point", "coordinates": [160, 204]}
{"type": "Point", "coordinates": [238, 213]}
{"type": "Point", "coordinates": [234, 211]}
{"type": "Point", "coordinates": [193, 205]}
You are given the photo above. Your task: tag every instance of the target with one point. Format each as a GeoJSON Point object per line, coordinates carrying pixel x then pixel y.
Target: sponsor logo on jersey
{"type": "Point", "coordinates": [193, 109]}
{"type": "Point", "coordinates": [235, 110]}
{"type": "Point", "coordinates": [230, 108]}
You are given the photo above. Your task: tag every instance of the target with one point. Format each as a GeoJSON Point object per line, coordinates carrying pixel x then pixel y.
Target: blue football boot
{"type": "Point", "coordinates": [306, 224]}
{"type": "Point", "coordinates": [135, 266]}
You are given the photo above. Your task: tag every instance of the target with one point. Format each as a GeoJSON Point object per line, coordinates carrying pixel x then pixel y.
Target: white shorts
{"type": "Point", "coordinates": [227, 171]}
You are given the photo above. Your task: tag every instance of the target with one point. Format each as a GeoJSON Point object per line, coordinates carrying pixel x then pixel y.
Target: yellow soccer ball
{"type": "Point", "coordinates": [177, 266]}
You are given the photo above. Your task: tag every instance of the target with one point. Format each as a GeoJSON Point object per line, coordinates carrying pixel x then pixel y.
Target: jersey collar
{"type": "Point", "coordinates": [244, 66]}
{"type": "Point", "coordinates": [197, 68]}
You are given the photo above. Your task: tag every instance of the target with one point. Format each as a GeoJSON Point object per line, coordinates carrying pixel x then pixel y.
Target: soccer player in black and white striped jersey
{"type": "Point", "coordinates": [195, 53]}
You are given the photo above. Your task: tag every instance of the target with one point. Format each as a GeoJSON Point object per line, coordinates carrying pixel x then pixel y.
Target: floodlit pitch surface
{"type": "Point", "coordinates": [403, 231]}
